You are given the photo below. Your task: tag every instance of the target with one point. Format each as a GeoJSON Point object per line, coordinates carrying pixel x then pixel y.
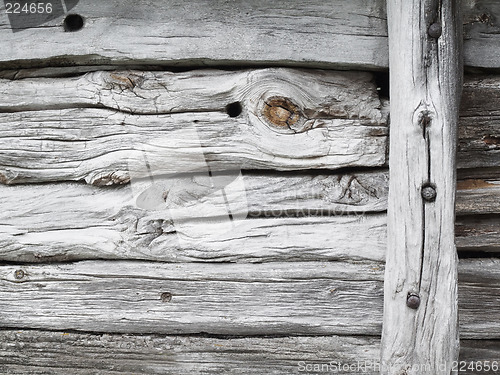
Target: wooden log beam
{"type": "Point", "coordinates": [77, 221]}
{"type": "Point", "coordinates": [266, 119]}
{"type": "Point", "coordinates": [311, 33]}
{"type": "Point", "coordinates": [294, 298]}
{"type": "Point", "coordinates": [478, 153]}
{"type": "Point", "coordinates": [290, 212]}
{"type": "Point", "coordinates": [420, 309]}
{"type": "Point", "coordinates": [479, 130]}
{"type": "Point", "coordinates": [56, 353]}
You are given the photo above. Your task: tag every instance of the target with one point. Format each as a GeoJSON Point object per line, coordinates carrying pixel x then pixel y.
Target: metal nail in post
{"type": "Point", "coordinates": [428, 193]}
{"type": "Point", "coordinates": [413, 301]}
{"type": "Point", "coordinates": [435, 30]}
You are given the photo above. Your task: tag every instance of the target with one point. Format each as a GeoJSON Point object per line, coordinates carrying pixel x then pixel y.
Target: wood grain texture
{"type": "Point", "coordinates": [56, 353]}
{"type": "Point", "coordinates": [481, 33]}
{"type": "Point", "coordinates": [291, 298]}
{"type": "Point", "coordinates": [76, 221]}
{"type": "Point", "coordinates": [308, 33]}
{"type": "Point", "coordinates": [476, 196]}
{"type": "Point", "coordinates": [425, 88]}
{"type": "Point", "coordinates": [278, 217]}
{"type": "Point", "coordinates": [334, 95]}
{"type": "Point", "coordinates": [290, 120]}
{"type": "Point", "coordinates": [479, 233]}
{"type": "Point", "coordinates": [479, 130]}
{"type": "Point", "coordinates": [181, 355]}
{"type": "Point", "coordinates": [223, 298]}
{"type": "Point", "coordinates": [311, 33]}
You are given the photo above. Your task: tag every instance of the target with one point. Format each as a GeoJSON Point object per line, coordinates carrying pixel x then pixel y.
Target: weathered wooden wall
{"type": "Point", "coordinates": [90, 283]}
{"type": "Point", "coordinates": [333, 34]}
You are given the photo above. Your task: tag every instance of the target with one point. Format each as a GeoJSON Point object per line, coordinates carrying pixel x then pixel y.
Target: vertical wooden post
{"type": "Point", "coordinates": [420, 333]}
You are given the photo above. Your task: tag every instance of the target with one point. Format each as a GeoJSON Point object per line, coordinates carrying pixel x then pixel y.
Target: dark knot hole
{"type": "Point", "coordinates": [73, 22]}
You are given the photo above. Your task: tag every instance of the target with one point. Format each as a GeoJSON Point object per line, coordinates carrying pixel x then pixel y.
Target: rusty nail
{"type": "Point", "coordinates": [19, 274]}
{"type": "Point", "coordinates": [166, 297]}
{"type": "Point", "coordinates": [435, 30]}
{"type": "Point", "coordinates": [413, 301]}
{"type": "Point", "coordinates": [428, 193]}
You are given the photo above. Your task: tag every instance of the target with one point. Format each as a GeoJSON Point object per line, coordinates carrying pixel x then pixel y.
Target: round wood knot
{"type": "Point", "coordinates": [282, 113]}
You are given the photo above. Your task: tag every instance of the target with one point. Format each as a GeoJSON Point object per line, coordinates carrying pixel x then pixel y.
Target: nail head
{"type": "Point", "coordinates": [413, 301]}
{"type": "Point", "coordinates": [435, 30]}
{"type": "Point", "coordinates": [429, 193]}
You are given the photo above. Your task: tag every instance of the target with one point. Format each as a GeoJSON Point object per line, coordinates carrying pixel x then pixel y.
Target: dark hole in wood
{"type": "Point", "coordinates": [73, 22]}
{"type": "Point", "coordinates": [234, 109]}
{"type": "Point", "coordinates": [166, 297]}
{"type": "Point", "coordinates": [382, 82]}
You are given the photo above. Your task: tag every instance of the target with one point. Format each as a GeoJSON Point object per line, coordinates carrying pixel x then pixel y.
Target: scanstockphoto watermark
{"type": "Point", "coordinates": [361, 367]}
{"type": "Point", "coordinates": [27, 14]}
{"type": "Point", "coordinates": [337, 367]}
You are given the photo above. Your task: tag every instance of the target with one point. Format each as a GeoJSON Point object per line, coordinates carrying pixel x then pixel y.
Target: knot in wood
{"type": "Point", "coordinates": [166, 297]}
{"type": "Point", "coordinates": [281, 112]}
{"type": "Point", "coordinates": [19, 274]}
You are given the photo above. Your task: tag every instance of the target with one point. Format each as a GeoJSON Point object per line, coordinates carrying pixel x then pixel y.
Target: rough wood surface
{"type": "Point", "coordinates": [478, 233]}
{"type": "Point", "coordinates": [180, 355]}
{"type": "Point", "coordinates": [77, 221]}
{"type": "Point", "coordinates": [290, 120]}
{"type": "Point", "coordinates": [72, 221]}
{"type": "Point", "coordinates": [319, 93]}
{"type": "Point", "coordinates": [56, 353]}
{"type": "Point", "coordinates": [476, 196]}
{"type": "Point", "coordinates": [425, 89]}
{"type": "Point", "coordinates": [313, 33]}
{"type": "Point", "coordinates": [307, 298]}
{"type": "Point", "coordinates": [334, 94]}
{"type": "Point", "coordinates": [310, 33]}
{"type": "Point", "coordinates": [479, 130]}
{"type": "Point", "coordinates": [222, 298]}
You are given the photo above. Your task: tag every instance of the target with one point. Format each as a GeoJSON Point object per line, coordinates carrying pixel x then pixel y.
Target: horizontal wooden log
{"type": "Point", "coordinates": [335, 95]}
{"type": "Point", "coordinates": [309, 33]}
{"type": "Point", "coordinates": [476, 196]}
{"type": "Point", "coordinates": [233, 299]}
{"type": "Point", "coordinates": [152, 32]}
{"type": "Point", "coordinates": [289, 120]}
{"type": "Point", "coordinates": [479, 130]}
{"type": "Point", "coordinates": [276, 217]}
{"type": "Point", "coordinates": [313, 298]}
{"type": "Point", "coordinates": [319, 93]}
{"type": "Point", "coordinates": [56, 353]}
{"type": "Point", "coordinates": [77, 221]}
{"type": "Point", "coordinates": [478, 233]}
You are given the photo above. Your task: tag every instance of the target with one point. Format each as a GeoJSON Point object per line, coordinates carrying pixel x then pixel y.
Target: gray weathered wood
{"type": "Point", "coordinates": [71, 221]}
{"type": "Point", "coordinates": [479, 130]}
{"type": "Point", "coordinates": [425, 90]}
{"type": "Point", "coordinates": [311, 298]}
{"type": "Point", "coordinates": [56, 353]}
{"type": "Point", "coordinates": [310, 33]}
{"type": "Point", "coordinates": [291, 120]}
{"type": "Point", "coordinates": [38, 352]}
{"type": "Point", "coordinates": [221, 298]}
{"type": "Point", "coordinates": [475, 196]}
{"type": "Point", "coordinates": [77, 221]}
{"type": "Point", "coordinates": [481, 33]}
{"type": "Point", "coordinates": [478, 233]}
{"type": "Point", "coordinates": [211, 90]}
{"type": "Point", "coordinates": [319, 93]}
